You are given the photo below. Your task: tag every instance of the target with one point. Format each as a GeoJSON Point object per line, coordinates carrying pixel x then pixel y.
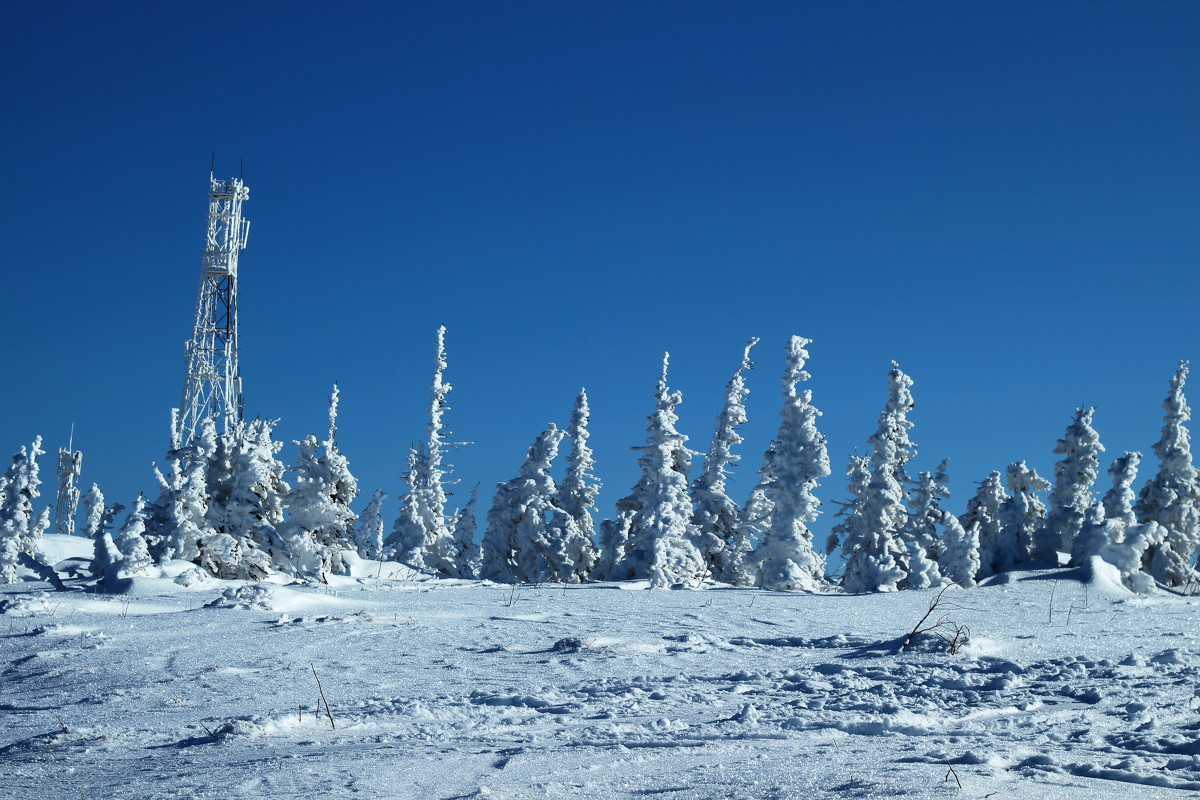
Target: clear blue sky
{"type": "Point", "coordinates": [1003, 197]}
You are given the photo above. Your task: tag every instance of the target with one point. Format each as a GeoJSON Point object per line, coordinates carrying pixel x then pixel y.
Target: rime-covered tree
{"type": "Point", "coordinates": [247, 494]}
{"type": "Point", "coordinates": [407, 541]}
{"type": "Point", "coordinates": [921, 533]}
{"type": "Point", "coordinates": [568, 555]}
{"type": "Point", "coordinates": [320, 524]}
{"type": "Point", "coordinates": [959, 558]}
{"type": "Point", "coordinates": [876, 558]}
{"type": "Point", "coordinates": [135, 555]}
{"type": "Point", "coordinates": [717, 516]}
{"type": "Point", "coordinates": [368, 536]}
{"type": "Point", "coordinates": [1021, 516]}
{"type": "Point", "coordinates": [1112, 532]}
{"type": "Point", "coordinates": [422, 530]}
{"type": "Point", "coordinates": [754, 519]}
{"type": "Point", "coordinates": [1118, 501]}
{"type": "Point", "coordinates": [1172, 497]}
{"type": "Point", "coordinates": [20, 528]}
{"type": "Point", "coordinates": [983, 512]}
{"type": "Point", "coordinates": [177, 522]}
{"type": "Point", "coordinates": [612, 538]}
{"type": "Point", "coordinates": [518, 532]}
{"type": "Point", "coordinates": [660, 545]}
{"type": "Point", "coordinates": [1107, 521]}
{"type": "Point", "coordinates": [1074, 475]}
{"type": "Point", "coordinates": [106, 557]}
{"type": "Point", "coordinates": [465, 554]}
{"type": "Point", "coordinates": [577, 493]}
{"type": "Point", "coordinates": [795, 461]}
{"type": "Point", "coordinates": [858, 472]}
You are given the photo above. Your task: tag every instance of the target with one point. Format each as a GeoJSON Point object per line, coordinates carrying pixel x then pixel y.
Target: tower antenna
{"type": "Point", "coordinates": [213, 385]}
{"type": "Point", "coordinates": [70, 465]}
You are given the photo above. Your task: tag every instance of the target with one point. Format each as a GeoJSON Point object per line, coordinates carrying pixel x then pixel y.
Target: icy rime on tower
{"type": "Point", "coordinates": [213, 386]}
{"type": "Point", "coordinates": [70, 465]}
{"type": "Point", "coordinates": [716, 516]}
{"type": "Point", "coordinates": [796, 460]}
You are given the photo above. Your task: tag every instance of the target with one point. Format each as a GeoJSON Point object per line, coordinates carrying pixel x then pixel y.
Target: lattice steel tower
{"type": "Point", "coordinates": [70, 466]}
{"type": "Point", "coordinates": [213, 387]}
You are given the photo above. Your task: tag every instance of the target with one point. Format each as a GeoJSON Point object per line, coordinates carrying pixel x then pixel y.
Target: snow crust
{"type": "Point", "coordinates": [169, 685]}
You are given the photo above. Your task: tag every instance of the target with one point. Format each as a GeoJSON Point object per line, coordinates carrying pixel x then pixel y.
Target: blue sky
{"type": "Point", "coordinates": [1000, 196]}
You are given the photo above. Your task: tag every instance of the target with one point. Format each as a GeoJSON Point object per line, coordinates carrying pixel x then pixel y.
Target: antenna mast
{"type": "Point", "coordinates": [70, 465]}
{"type": "Point", "coordinates": [213, 387]}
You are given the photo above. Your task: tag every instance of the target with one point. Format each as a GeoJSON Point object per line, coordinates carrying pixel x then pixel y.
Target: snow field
{"type": "Point", "coordinates": [445, 689]}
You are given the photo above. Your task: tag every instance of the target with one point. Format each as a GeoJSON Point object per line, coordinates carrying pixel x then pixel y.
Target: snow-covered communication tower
{"type": "Point", "coordinates": [213, 387]}
{"type": "Point", "coordinates": [70, 465]}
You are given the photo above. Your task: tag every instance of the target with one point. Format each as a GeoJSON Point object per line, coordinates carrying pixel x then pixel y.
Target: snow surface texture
{"type": "Point", "coordinates": [176, 685]}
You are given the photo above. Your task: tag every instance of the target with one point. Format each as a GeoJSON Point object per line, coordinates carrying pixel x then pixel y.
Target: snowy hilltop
{"type": "Point", "coordinates": [1060, 683]}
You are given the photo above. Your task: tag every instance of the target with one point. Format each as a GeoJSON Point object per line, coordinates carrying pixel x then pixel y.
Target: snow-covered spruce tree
{"type": "Point", "coordinates": [959, 559]}
{"type": "Point", "coordinates": [612, 538]}
{"type": "Point", "coordinates": [247, 494]}
{"type": "Point", "coordinates": [320, 524]}
{"type": "Point", "coordinates": [661, 533]}
{"type": "Point", "coordinates": [1172, 498]}
{"type": "Point", "coordinates": [1112, 532]}
{"type": "Point", "coordinates": [921, 539]}
{"type": "Point", "coordinates": [795, 461]}
{"type": "Point", "coordinates": [570, 556]}
{"type": "Point", "coordinates": [368, 536]}
{"type": "Point", "coordinates": [518, 533]}
{"type": "Point", "coordinates": [159, 522]}
{"type": "Point", "coordinates": [177, 522]}
{"type": "Point", "coordinates": [983, 512]}
{"type": "Point", "coordinates": [1074, 476]}
{"type": "Point", "coordinates": [462, 561]}
{"type": "Point", "coordinates": [876, 558]}
{"type": "Point", "coordinates": [409, 531]}
{"type": "Point", "coordinates": [135, 555]}
{"type": "Point", "coordinates": [754, 519]}
{"type": "Point", "coordinates": [858, 472]}
{"type": "Point", "coordinates": [20, 530]}
{"type": "Point", "coordinates": [1020, 516]}
{"type": "Point", "coordinates": [1107, 521]}
{"type": "Point", "coordinates": [715, 514]}
{"type": "Point", "coordinates": [421, 531]}
{"type": "Point", "coordinates": [1118, 501]}
{"type": "Point", "coordinates": [577, 494]}
{"type": "Point", "coordinates": [106, 557]}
